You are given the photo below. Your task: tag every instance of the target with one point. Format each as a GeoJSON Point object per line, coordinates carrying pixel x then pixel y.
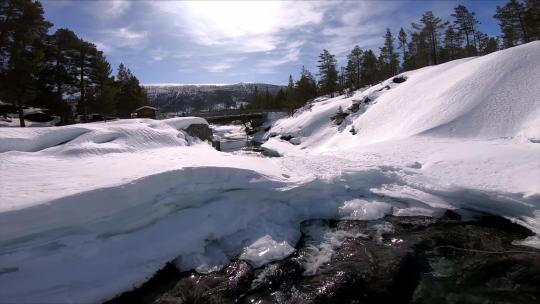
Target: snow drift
{"type": "Point", "coordinates": [96, 209]}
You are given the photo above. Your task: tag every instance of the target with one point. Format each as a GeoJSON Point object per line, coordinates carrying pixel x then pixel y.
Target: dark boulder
{"type": "Point", "coordinates": [399, 79]}
{"type": "Point", "coordinates": [201, 131]}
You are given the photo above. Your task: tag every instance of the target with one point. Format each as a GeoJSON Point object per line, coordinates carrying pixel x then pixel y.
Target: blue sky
{"type": "Point", "coordinates": [230, 42]}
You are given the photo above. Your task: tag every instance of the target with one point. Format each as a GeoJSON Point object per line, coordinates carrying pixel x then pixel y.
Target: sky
{"type": "Point", "coordinates": [193, 42]}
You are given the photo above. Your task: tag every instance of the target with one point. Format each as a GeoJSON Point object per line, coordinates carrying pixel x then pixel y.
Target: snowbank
{"type": "Point", "coordinates": [97, 138]}
{"type": "Point", "coordinates": [97, 208]}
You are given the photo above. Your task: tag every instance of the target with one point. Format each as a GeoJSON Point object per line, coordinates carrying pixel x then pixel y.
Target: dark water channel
{"type": "Point", "coordinates": [413, 259]}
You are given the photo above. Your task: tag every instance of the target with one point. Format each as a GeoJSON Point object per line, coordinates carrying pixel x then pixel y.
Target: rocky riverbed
{"type": "Point", "coordinates": [393, 260]}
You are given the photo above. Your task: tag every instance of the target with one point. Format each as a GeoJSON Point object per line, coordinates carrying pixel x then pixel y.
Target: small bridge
{"type": "Point", "coordinates": [256, 118]}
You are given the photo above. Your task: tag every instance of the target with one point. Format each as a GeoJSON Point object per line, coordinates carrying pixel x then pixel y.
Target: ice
{"type": "Point", "coordinates": [266, 250]}
{"type": "Point", "coordinates": [360, 209]}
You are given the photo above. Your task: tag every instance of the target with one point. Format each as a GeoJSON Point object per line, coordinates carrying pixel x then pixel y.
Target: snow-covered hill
{"type": "Point", "coordinates": [89, 211]}
{"type": "Point", "coordinates": [489, 97]}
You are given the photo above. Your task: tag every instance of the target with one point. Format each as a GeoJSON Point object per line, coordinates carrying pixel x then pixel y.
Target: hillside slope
{"type": "Point", "coordinates": [488, 97]}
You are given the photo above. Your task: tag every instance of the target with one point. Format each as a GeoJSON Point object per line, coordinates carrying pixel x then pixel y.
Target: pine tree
{"type": "Point", "coordinates": [452, 45]}
{"type": "Point", "coordinates": [370, 72]}
{"type": "Point", "coordinates": [306, 88]}
{"type": "Point", "coordinates": [467, 25]}
{"type": "Point", "coordinates": [512, 22]}
{"type": "Point", "coordinates": [532, 19]}
{"type": "Point", "coordinates": [86, 54]}
{"type": "Point", "coordinates": [290, 96]}
{"type": "Point", "coordinates": [130, 95]}
{"type": "Point", "coordinates": [488, 44]}
{"type": "Point", "coordinates": [353, 69]}
{"type": "Point", "coordinates": [60, 72]}
{"type": "Point", "coordinates": [431, 26]}
{"type": "Point", "coordinates": [402, 44]}
{"type": "Point", "coordinates": [388, 58]}
{"type": "Point", "coordinates": [103, 91]}
{"type": "Point", "coordinates": [22, 49]}
{"type": "Point", "coordinates": [328, 73]}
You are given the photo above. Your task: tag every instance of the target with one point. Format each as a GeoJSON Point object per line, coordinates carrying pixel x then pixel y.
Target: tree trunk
{"type": "Point", "coordinates": [523, 29]}
{"type": "Point", "coordinates": [434, 48]}
{"type": "Point", "coordinates": [21, 115]}
{"type": "Point", "coordinates": [83, 101]}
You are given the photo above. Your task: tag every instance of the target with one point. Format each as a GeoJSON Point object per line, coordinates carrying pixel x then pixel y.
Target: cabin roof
{"type": "Point", "coordinates": [146, 107]}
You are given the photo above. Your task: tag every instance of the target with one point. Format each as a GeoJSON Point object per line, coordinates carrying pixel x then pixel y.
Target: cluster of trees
{"type": "Point", "coordinates": [52, 70]}
{"type": "Point", "coordinates": [428, 42]}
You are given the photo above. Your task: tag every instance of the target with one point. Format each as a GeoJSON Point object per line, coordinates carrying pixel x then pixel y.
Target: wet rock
{"type": "Point", "coordinates": [415, 259]}
{"type": "Point", "coordinates": [201, 131]}
{"type": "Point", "coordinates": [223, 286]}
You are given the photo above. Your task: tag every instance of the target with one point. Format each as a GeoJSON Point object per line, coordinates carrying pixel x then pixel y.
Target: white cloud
{"type": "Point", "coordinates": [239, 25]}
{"type": "Point", "coordinates": [122, 38]}
{"type": "Point", "coordinates": [291, 54]}
{"type": "Point", "coordinates": [223, 65]}
{"type": "Point", "coordinates": [107, 9]}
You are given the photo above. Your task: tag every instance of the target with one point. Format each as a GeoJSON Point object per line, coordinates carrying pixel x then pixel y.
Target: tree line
{"type": "Point", "coordinates": [429, 41]}
{"type": "Point", "coordinates": [55, 70]}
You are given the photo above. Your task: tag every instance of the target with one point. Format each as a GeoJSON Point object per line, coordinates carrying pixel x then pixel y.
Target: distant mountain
{"type": "Point", "coordinates": [170, 97]}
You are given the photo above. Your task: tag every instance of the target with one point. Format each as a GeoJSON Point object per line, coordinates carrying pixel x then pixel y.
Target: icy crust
{"type": "Point", "coordinates": [99, 138]}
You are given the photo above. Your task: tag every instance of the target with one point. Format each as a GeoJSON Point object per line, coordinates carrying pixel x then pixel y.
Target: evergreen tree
{"type": "Point", "coordinates": [103, 91]}
{"type": "Point", "coordinates": [431, 26]}
{"type": "Point", "coordinates": [22, 49]}
{"type": "Point", "coordinates": [512, 22]}
{"type": "Point", "coordinates": [488, 44]}
{"type": "Point", "coordinates": [306, 88]}
{"type": "Point", "coordinates": [60, 73]}
{"type": "Point", "coordinates": [467, 25]}
{"type": "Point", "coordinates": [290, 96]}
{"type": "Point", "coordinates": [353, 69]}
{"type": "Point", "coordinates": [452, 45]}
{"type": "Point", "coordinates": [328, 73]}
{"type": "Point", "coordinates": [388, 58]}
{"type": "Point", "coordinates": [130, 95]}
{"type": "Point", "coordinates": [402, 44]}
{"type": "Point", "coordinates": [370, 72]}
{"type": "Point", "coordinates": [85, 57]}
{"type": "Point", "coordinates": [532, 19]}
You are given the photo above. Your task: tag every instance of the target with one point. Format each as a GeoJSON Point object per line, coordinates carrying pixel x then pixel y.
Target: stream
{"type": "Point", "coordinates": [462, 257]}
{"type": "Point", "coordinates": [414, 259]}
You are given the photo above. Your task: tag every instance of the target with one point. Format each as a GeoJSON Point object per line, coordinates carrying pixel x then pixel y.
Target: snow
{"type": "Point", "coordinates": [98, 208]}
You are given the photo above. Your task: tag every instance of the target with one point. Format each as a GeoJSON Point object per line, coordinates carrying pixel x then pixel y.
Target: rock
{"type": "Point", "coordinates": [354, 107]}
{"type": "Point", "coordinates": [414, 165]}
{"type": "Point", "coordinates": [286, 137]}
{"type": "Point", "coordinates": [399, 79]}
{"type": "Point", "coordinates": [416, 259]}
{"type": "Point", "coordinates": [201, 131]}
{"type": "Point", "coordinates": [339, 117]}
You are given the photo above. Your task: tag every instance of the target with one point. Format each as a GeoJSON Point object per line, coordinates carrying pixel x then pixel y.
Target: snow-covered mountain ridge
{"type": "Point", "coordinates": [170, 97]}
{"type": "Point", "coordinates": [103, 206]}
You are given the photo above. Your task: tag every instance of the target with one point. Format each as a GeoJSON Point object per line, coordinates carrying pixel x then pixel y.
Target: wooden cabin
{"type": "Point", "coordinates": [146, 112]}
